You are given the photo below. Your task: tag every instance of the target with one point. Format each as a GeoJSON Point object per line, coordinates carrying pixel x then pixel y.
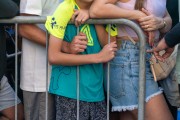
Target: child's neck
{"type": "Point", "coordinates": [83, 5]}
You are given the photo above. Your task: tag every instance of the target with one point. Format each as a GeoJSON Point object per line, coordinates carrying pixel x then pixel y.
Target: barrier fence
{"type": "Point", "coordinates": [39, 19]}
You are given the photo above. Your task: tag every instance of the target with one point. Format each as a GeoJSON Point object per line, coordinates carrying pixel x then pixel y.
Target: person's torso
{"type": "Point", "coordinates": [33, 62]}
{"type": "Point", "coordinates": [63, 78]}
{"type": "Point", "coordinates": [155, 7]}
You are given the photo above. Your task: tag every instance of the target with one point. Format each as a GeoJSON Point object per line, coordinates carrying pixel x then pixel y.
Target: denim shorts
{"type": "Point", "coordinates": [124, 78]}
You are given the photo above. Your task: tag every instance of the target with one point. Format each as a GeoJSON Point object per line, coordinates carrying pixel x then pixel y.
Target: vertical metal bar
{"type": "Point", "coordinates": [16, 69]}
{"type": "Point", "coordinates": [108, 75]}
{"type": "Point", "coordinates": [141, 110]}
{"type": "Point", "coordinates": [177, 67]}
{"type": "Point", "coordinates": [78, 82]}
{"type": "Point", "coordinates": [142, 76]}
{"type": "Point", "coordinates": [179, 9]}
{"type": "Point", "coordinates": [47, 45]}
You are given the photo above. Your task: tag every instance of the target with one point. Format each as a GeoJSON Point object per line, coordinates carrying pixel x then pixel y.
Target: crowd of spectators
{"type": "Point", "coordinates": [89, 51]}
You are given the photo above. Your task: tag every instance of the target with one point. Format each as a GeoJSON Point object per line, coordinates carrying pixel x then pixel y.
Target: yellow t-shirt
{"type": "Point", "coordinates": [56, 24]}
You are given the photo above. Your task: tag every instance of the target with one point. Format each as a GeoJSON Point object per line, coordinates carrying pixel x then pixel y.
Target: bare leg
{"type": "Point", "coordinates": [114, 115]}
{"type": "Point", "coordinates": [128, 115]}
{"type": "Point", "coordinates": [157, 109]}
{"type": "Point", "coordinates": [10, 112]}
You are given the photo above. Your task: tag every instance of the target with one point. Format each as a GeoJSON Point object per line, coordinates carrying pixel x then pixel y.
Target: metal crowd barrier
{"type": "Point", "coordinates": [39, 19]}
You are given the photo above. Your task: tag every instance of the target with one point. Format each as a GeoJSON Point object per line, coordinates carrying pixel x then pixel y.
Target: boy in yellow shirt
{"type": "Point", "coordinates": [64, 66]}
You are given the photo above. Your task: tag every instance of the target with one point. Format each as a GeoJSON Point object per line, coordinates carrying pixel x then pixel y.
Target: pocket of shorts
{"type": "Point", "coordinates": [134, 69]}
{"type": "Point", "coordinates": [117, 78]}
{"type": "Point", "coordinates": [134, 75]}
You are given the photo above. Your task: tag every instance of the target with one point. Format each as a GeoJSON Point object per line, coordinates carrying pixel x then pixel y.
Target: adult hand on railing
{"type": "Point", "coordinates": [78, 44]}
{"type": "Point", "coordinates": [150, 22]}
{"type": "Point", "coordinates": [108, 52]}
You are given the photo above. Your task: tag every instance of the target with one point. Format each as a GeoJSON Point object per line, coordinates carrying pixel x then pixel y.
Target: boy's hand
{"type": "Point", "coordinates": [80, 16]}
{"type": "Point", "coordinates": [108, 52]}
{"type": "Point", "coordinates": [78, 44]}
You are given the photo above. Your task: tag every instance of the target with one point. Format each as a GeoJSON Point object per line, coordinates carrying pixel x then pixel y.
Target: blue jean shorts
{"type": "Point", "coordinates": [124, 78]}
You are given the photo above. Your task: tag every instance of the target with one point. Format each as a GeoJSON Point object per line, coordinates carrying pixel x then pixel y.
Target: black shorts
{"type": "Point", "coordinates": [66, 109]}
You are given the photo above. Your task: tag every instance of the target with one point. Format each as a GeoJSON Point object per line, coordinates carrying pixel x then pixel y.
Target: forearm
{"type": "Point", "coordinates": [57, 57]}
{"type": "Point", "coordinates": [61, 58]}
{"type": "Point", "coordinates": [66, 47]}
{"type": "Point", "coordinates": [37, 35]}
{"type": "Point", "coordinates": [8, 9]}
{"type": "Point", "coordinates": [102, 9]}
{"type": "Point", "coordinates": [33, 33]}
{"type": "Point", "coordinates": [173, 37]}
{"type": "Point", "coordinates": [166, 24]}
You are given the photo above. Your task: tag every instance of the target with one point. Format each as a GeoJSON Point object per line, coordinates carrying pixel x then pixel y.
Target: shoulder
{"type": "Point", "coordinates": [57, 23]}
{"type": "Point", "coordinates": [37, 7]}
{"type": "Point", "coordinates": [30, 7]}
{"type": "Point", "coordinates": [64, 11]}
{"type": "Point", "coordinates": [65, 6]}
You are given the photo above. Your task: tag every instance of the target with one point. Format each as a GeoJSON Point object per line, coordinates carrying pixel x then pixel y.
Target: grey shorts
{"type": "Point", "coordinates": [35, 106]}
{"type": "Point", "coordinates": [66, 109]}
{"type": "Point", "coordinates": [7, 95]}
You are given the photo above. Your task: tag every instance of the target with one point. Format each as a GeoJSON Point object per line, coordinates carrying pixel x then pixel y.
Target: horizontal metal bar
{"type": "Point", "coordinates": [42, 19]}
{"type": "Point", "coordinates": [25, 19]}
{"type": "Point", "coordinates": [12, 55]}
{"type": "Point", "coordinates": [134, 26]}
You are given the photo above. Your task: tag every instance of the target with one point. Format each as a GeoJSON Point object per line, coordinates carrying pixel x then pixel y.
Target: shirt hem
{"type": "Point", "coordinates": [82, 99]}
{"type": "Point", "coordinates": [33, 90]}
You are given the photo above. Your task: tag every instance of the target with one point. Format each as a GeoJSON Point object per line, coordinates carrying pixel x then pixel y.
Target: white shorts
{"type": "Point", "coordinates": [7, 95]}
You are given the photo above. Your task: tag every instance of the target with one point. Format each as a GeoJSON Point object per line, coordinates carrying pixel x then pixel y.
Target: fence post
{"type": "Point", "coordinates": [16, 70]}
{"type": "Point", "coordinates": [41, 19]}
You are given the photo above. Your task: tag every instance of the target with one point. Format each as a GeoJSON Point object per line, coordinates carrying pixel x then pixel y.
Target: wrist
{"type": "Point", "coordinates": [67, 48]}
{"type": "Point", "coordinates": [135, 15]}
{"type": "Point", "coordinates": [98, 58]}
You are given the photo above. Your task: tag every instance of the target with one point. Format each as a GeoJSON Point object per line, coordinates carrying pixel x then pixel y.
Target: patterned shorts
{"type": "Point", "coordinates": [66, 109]}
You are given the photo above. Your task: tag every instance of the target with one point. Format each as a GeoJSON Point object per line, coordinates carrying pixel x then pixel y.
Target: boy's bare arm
{"type": "Point", "coordinates": [107, 9]}
{"type": "Point", "coordinates": [57, 57]}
